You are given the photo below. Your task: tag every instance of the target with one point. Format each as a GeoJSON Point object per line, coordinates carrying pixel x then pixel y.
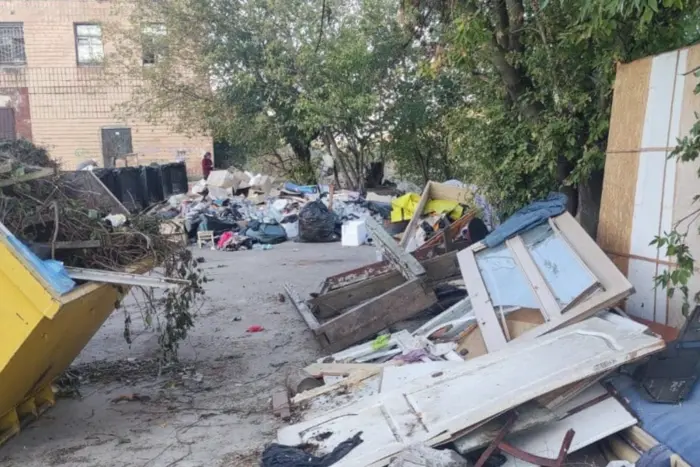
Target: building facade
{"type": "Point", "coordinates": [55, 92]}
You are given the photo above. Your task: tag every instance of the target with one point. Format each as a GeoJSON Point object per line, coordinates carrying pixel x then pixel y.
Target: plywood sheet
{"type": "Point", "coordinates": [629, 106]}
{"type": "Point", "coordinates": [435, 410]}
{"type": "Point", "coordinates": [657, 116]}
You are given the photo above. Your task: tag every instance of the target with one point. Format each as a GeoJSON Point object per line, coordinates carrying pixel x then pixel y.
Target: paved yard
{"type": "Point", "coordinates": [215, 410]}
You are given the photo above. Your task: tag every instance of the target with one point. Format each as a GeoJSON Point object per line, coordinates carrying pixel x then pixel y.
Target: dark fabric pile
{"type": "Point", "coordinates": [278, 455]}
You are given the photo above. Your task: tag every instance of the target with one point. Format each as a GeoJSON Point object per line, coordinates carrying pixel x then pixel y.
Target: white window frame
{"type": "Point", "coordinates": [90, 41]}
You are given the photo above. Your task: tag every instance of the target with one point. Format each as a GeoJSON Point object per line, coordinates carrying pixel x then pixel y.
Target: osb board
{"type": "Point", "coordinates": [629, 106]}
{"type": "Point", "coordinates": [617, 203]}
{"type": "Point", "coordinates": [518, 322]}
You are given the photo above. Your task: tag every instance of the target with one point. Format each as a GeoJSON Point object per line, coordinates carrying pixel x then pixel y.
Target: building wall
{"type": "Point", "coordinates": [645, 193]}
{"type": "Point", "coordinates": [68, 104]}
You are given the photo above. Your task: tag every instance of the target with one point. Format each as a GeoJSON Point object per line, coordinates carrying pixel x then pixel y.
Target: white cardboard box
{"type": "Point", "coordinates": [354, 233]}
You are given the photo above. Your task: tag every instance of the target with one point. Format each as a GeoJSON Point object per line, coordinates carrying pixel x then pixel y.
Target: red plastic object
{"type": "Point", "coordinates": [255, 328]}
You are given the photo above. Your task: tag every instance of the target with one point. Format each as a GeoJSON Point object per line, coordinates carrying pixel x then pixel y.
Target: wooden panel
{"type": "Point", "coordinates": [481, 302]}
{"type": "Point", "coordinates": [548, 303]}
{"type": "Point", "coordinates": [301, 307]}
{"type": "Point", "coordinates": [435, 410]}
{"type": "Point", "coordinates": [658, 110]}
{"type": "Point", "coordinates": [437, 269]}
{"type": "Point", "coordinates": [415, 219]}
{"type": "Point", "coordinates": [402, 260]}
{"type": "Point", "coordinates": [371, 317]}
{"type": "Point", "coordinates": [629, 106]}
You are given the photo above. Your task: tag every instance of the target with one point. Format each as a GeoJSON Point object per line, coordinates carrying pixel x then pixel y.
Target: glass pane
{"type": "Point", "coordinates": [505, 282]}
{"type": "Point", "coordinates": [564, 272]}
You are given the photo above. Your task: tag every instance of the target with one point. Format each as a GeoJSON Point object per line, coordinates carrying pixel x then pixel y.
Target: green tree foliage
{"type": "Point", "coordinates": [540, 88]}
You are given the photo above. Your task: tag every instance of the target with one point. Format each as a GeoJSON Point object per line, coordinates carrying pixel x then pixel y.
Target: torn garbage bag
{"type": "Point", "coordinates": [278, 455]}
{"type": "Point", "coordinates": [317, 224]}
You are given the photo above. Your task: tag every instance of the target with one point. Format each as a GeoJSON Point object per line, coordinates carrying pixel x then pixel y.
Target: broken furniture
{"type": "Point", "coordinates": [360, 309]}
{"type": "Point", "coordinates": [438, 192]}
{"type": "Point", "coordinates": [554, 274]}
{"type": "Point", "coordinates": [204, 237]}
{"type": "Point", "coordinates": [433, 409]}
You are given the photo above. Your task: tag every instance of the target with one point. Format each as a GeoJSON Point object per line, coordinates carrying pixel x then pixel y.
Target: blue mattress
{"type": "Point", "coordinates": [676, 426]}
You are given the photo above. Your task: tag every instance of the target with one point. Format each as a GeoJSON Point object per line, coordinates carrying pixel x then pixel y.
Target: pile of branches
{"type": "Point", "coordinates": [50, 214]}
{"type": "Point", "coordinates": [18, 157]}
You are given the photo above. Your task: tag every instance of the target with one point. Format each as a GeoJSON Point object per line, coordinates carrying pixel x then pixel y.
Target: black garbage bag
{"type": "Point", "coordinates": [267, 234]}
{"type": "Point", "coordinates": [278, 455]}
{"type": "Point", "coordinates": [317, 224]}
{"type": "Point", "coordinates": [219, 225]}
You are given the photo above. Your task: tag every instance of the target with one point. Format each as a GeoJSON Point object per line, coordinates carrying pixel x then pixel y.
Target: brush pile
{"type": "Point", "coordinates": [60, 216]}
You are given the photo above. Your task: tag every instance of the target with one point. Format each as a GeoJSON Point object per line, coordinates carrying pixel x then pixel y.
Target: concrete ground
{"type": "Point", "coordinates": [214, 409]}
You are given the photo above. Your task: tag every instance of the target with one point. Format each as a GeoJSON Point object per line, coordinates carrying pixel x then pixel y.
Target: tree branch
{"type": "Point", "coordinates": [517, 21]}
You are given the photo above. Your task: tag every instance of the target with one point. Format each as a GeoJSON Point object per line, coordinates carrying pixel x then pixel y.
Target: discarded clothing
{"type": "Point", "coordinates": [658, 456]}
{"type": "Point", "coordinates": [404, 206]}
{"type": "Point", "coordinates": [278, 455]}
{"type": "Point", "coordinates": [269, 234]}
{"type": "Point", "coordinates": [526, 218]}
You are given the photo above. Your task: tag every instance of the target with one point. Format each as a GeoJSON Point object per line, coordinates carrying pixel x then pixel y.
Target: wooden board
{"type": "Point", "coordinates": [489, 325]}
{"type": "Point", "coordinates": [434, 410]}
{"type": "Point", "coordinates": [433, 190]}
{"type": "Point", "coordinates": [367, 319]}
{"type": "Point", "coordinates": [302, 308]}
{"type": "Point", "coordinates": [590, 424]}
{"type": "Point", "coordinates": [404, 262]}
{"type": "Point", "coordinates": [331, 304]}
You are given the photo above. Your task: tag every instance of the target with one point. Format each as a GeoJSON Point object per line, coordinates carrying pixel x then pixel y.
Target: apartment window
{"type": "Point", "coordinates": [153, 43]}
{"type": "Point", "coordinates": [12, 44]}
{"type": "Point", "coordinates": [88, 44]}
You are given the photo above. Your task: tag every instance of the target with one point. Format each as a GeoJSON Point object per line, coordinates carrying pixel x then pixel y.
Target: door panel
{"type": "Point", "coordinates": [116, 142]}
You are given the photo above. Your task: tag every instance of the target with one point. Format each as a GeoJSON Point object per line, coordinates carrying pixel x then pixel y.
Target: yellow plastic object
{"type": "Point", "coordinates": [404, 206]}
{"type": "Point", "coordinates": [41, 333]}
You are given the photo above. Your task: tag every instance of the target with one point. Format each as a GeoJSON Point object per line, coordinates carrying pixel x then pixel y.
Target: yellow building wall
{"type": "Point", "coordinates": [70, 104]}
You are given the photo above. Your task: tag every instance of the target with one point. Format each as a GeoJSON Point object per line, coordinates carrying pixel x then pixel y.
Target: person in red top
{"type": "Point", "coordinates": [207, 164]}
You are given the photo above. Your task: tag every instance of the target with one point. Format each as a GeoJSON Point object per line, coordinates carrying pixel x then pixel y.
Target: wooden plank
{"type": "Point", "coordinates": [301, 307]}
{"type": "Point", "coordinates": [367, 319]}
{"type": "Point", "coordinates": [406, 263]}
{"type": "Point", "coordinates": [481, 302]}
{"type": "Point", "coordinates": [415, 219]}
{"type": "Point", "coordinates": [27, 177]}
{"type": "Point", "coordinates": [590, 424]}
{"type": "Point", "coordinates": [437, 269]}
{"type": "Point", "coordinates": [548, 303]}
{"type": "Point", "coordinates": [434, 410]}
{"type": "Point", "coordinates": [319, 370]}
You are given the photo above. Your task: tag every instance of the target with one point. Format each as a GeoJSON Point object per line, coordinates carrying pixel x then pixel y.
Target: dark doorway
{"type": "Point", "coordinates": [116, 142]}
{"type": "Point", "coordinates": [7, 123]}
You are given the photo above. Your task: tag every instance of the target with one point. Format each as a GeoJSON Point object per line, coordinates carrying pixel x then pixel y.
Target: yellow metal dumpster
{"type": "Point", "coordinates": [41, 332]}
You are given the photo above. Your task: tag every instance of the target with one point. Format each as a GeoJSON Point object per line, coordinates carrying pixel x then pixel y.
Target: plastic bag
{"type": "Point", "coordinates": [269, 234]}
{"type": "Point", "coordinates": [278, 455]}
{"type": "Point", "coordinates": [317, 224]}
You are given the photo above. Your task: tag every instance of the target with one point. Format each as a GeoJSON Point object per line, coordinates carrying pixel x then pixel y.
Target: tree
{"type": "Point", "coordinates": [261, 74]}
{"type": "Point", "coordinates": [540, 88]}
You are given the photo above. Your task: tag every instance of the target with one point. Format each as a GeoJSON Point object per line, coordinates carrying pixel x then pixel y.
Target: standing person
{"type": "Point", "coordinates": [207, 164]}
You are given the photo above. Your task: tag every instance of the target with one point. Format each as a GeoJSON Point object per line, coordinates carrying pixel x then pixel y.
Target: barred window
{"type": "Point", "coordinates": [12, 44]}
{"type": "Point", "coordinates": [88, 44]}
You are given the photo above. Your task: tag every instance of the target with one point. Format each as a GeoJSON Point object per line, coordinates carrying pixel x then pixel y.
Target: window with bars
{"type": "Point", "coordinates": [12, 44]}
{"type": "Point", "coordinates": [88, 44]}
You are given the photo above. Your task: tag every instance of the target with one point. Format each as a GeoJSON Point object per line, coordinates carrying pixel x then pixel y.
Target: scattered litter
{"type": "Point", "coordinates": [277, 455]}
{"type": "Point", "coordinates": [255, 328]}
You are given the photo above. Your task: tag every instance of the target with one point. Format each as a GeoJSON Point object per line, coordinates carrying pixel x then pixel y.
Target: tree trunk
{"type": "Point", "coordinates": [590, 194]}
{"type": "Point", "coordinates": [302, 151]}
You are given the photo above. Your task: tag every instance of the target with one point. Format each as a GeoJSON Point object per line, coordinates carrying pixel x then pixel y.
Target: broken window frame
{"type": "Point", "coordinates": [12, 45]}
{"type": "Point", "coordinates": [90, 39]}
{"type": "Point", "coordinates": [613, 286]}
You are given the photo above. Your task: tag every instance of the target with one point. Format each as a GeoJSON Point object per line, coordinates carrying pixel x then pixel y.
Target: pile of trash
{"type": "Point", "coordinates": [72, 230]}
{"type": "Point", "coordinates": [525, 369]}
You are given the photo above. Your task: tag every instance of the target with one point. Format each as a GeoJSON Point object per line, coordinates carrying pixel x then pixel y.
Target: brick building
{"type": "Point", "coordinates": [55, 92]}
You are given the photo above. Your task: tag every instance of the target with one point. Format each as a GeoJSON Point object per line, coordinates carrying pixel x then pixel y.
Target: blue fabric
{"type": "Point", "coordinates": [658, 456]}
{"type": "Point", "coordinates": [526, 218]}
{"type": "Point", "coordinates": [294, 188]}
{"type": "Point", "coordinates": [676, 426]}
{"type": "Point", "coordinates": [51, 271]}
